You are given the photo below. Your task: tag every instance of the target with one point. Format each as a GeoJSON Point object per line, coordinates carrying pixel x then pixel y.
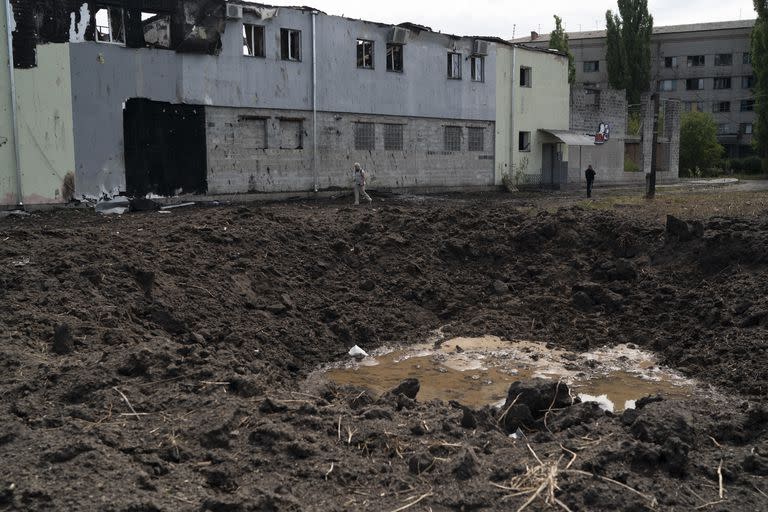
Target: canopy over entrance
{"type": "Point", "coordinates": [571, 138]}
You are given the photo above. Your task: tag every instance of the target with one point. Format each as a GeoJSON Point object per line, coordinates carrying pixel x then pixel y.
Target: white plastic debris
{"type": "Point", "coordinates": [115, 206]}
{"type": "Point", "coordinates": [357, 352]}
{"type": "Point", "coordinates": [518, 434]}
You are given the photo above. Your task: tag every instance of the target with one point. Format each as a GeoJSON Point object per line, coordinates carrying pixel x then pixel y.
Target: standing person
{"type": "Point", "coordinates": [359, 184]}
{"type": "Point", "coordinates": [590, 175]}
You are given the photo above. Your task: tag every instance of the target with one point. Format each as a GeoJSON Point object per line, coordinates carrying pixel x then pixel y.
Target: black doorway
{"type": "Point", "coordinates": [165, 149]}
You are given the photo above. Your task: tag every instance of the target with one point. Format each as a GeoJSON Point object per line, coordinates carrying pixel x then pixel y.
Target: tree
{"type": "Point", "coordinates": [628, 53]}
{"type": "Point", "coordinates": [699, 148]}
{"type": "Point", "coordinates": [558, 40]}
{"type": "Point", "coordinates": [760, 70]}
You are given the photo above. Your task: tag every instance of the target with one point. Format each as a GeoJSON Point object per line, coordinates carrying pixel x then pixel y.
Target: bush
{"type": "Point", "coordinates": [748, 165]}
{"type": "Point", "coordinates": [630, 165]}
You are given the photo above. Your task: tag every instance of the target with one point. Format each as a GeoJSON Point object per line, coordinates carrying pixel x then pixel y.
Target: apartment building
{"type": "Point", "coordinates": [706, 66]}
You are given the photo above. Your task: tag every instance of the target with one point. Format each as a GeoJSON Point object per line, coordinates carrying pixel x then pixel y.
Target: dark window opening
{"type": "Point", "coordinates": [364, 54]}
{"type": "Point", "coordinates": [524, 141]}
{"type": "Point", "coordinates": [746, 58]}
{"type": "Point", "coordinates": [591, 66]}
{"type": "Point", "coordinates": [454, 66]}
{"type": "Point", "coordinates": [721, 106]}
{"type": "Point", "coordinates": [747, 105]}
{"type": "Point", "coordinates": [478, 69]}
{"type": "Point", "coordinates": [722, 83]}
{"type": "Point", "coordinates": [723, 59]}
{"type": "Point", "coordinates": [695, 61]}
{"type": "Point", "coordinates": [526, 77]}
{"type": "Point", "coordinates": [253, 40]}
{"type": "Point", "coordinates": [290, 44]}
{"type": "Point", "coordinates": [395, 58]}
{"type": "Point", "coordinates": [694, 84]}
{"type": "Point", "coordinates": [670, 62]}
{"type": "Point", "coordinates": [747, 82]}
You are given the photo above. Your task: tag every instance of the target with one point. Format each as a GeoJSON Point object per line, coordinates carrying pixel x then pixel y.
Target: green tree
{"type": "Point", "coordinates": [558, 40]}
{"type": "Point", "coordinates": [698, 142]}
{"type": "Point", "coordinates": [760, 70]}
{"type": "Point", "coordinates": [628, 53]}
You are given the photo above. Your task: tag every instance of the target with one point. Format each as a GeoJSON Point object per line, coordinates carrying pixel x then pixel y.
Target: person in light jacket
{"type": "Point", "coordinates": [359, 184]}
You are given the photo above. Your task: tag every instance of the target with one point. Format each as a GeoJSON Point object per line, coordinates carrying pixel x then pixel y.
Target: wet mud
{"type": "Point", "coordinates": [160, 362]}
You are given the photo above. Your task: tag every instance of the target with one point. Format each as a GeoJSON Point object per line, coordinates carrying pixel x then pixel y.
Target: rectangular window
{"type": "Point", "coordinates": [452, 138]}
{"type": "Point", "coordinates": [393, 137]}
{"type": "Point", "coordinates": [110, 25]}
{"type": "Point", "coordinates": [747, 105]}
{"type": "Point", "coordinates": [454, 66]}
{"type": "Point", "coordinates": [694, 106]}
{"type": "Point", "coordinates": [253, 40]}
{"type": "Point", "coordinates": [667, 85]}
{"type": "Point", "coordinates": [524, 141]}
{"type": "Point", "coordinates": [670, 62]}
{"type": "Point", "coordinates": [721, 106]}
{"type": "Point", "coordinates": [591, 66]}
{"type": "Point", "coordinates": [526, 77]}
{"type": "Point", "coordinates": [746, 58]}
{"type": "Point", "coordinates": [476, 139]}
{"type": "Point", "coordinates": [695, 61]}
{"type": "Point", "coordinates": [723, 82]}
{"type": "Point", "coordinates": [290, 44]}
{"type": "Point", "coordinates": [364, 54]}
{"type": "Point", "coordinates": [747, 82]}
{"type": "Point", "coordinates": [291, 133]}
{"type": "Point", "coordinates": [478, 68]}
{"type": "Point", "coordinates": [395, 58]}
{"type": "Point", "coordinates": [724, 128]}
{"type": "Point", "coordinates": [723, 59]}
{"type": "Point", "coordinates": [365, 136]}
{"type": "Point", "coordinates": [252, 132]}
{"type": "Point", "coordinates": [746, 128]}
{"type": "Point", "coordinates": [694, 84]}
{"type": "Point", "coordinates": [157, 29]}
{"type": "Point", "coordinates": [593, 97]}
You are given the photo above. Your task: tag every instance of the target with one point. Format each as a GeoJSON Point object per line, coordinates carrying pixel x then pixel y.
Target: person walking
{"type": "Point", "coordinates": [359, 184]}
{"type": "Point", "coordinates": [590, 175]}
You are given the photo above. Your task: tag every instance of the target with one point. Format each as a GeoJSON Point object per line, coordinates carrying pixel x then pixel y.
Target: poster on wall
{"type": "Point", "coordinates": [603, 133]}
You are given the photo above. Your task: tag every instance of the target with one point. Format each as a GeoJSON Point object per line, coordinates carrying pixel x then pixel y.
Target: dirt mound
{"type": "Point", "coordinates": [157, 362]}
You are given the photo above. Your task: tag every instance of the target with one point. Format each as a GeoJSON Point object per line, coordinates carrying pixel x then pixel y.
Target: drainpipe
{"type": "Point", "coordinates": [14, 114]}
{"type": "Point", "coordinates": [314, 100]}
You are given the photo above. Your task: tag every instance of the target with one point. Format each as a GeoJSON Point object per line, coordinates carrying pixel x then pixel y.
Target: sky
{"type": "Point", "coordinates": [507, 18]}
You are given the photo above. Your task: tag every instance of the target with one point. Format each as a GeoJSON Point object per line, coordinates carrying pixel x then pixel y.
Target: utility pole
{"type": "Point", "coordinates": [651, 192]}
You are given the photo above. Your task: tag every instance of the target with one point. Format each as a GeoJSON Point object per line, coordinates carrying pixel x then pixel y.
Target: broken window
{"type": "Point", "coordinates": [454, 66]}
{"type": "Point", "coordinates": [395, 58]}
{"type": "Point", "coordinates": [476, 139]}
{"type": "Point", "coordinates": [452, 138]}
{"type": "Point", "coordinates": [478, 68]}
{"type": "Point", "coordinates": [722, 83]}
{"type": "Point", "coordinates": [526, 76]}
{"type": "Point", "coordinates": [290, 44]}
{"type": "Point", "coordinates": [110, 25]}
{"type": "Point", "coordinates": [591, 66]}
{"type": "Point", "coordinates": [157, 29]}
{"type": "Point", "coordinates": [670, 62]}
{"type": "Point", "coordinates": [253, 40]}
{"type": "Point", "coordinates": [393, 137]}
{"type": "Point", "coordinates": [695, 61]}
{"type": "Point", "coordinates": [291, 133]}
{"type": "Point", "coordinates": [723, 59]}
{"type": "Point", "coordinates": [364, 54]}
{"type": "Point", "coordinates": [524, 141]}
{"type": "Point", "coordinates": [365, 136]}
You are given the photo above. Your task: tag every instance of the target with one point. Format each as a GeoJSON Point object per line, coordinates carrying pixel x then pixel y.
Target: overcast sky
{"type": "Point", "coordinates": [502, 18]}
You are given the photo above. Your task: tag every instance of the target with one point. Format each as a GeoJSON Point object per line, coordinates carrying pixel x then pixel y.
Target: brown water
{"type": "Point", "coordinates": [482, 370]}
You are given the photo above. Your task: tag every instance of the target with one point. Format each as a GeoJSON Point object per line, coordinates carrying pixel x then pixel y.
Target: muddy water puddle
{"type": "Point", "coordinates": [479, 371]}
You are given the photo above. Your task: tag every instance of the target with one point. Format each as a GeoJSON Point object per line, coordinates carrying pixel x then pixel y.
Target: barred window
{"type": "Point", "coordinates": [365, 136]}
{"type": "Point", "coordinates": [393, 137]}
{"type": "Point", "coordinates": [476, 139]}
{"type": "Point", "coordinates": [452, 138]}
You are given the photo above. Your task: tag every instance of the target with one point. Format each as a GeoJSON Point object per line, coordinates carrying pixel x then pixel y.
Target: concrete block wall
{"type": "Point", "coordinates": [672, 112]}
{"type": "Point", "coordinates": [237, 165]}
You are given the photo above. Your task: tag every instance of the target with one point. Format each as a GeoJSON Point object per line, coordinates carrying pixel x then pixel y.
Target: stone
{"type": "Point", "coordinates": [539, 395]}
{"type": "Point", "coordinates": [421, 463]}
{"type": "Point", "coordinates": [500, 287]}
{"type": "Point", "coordinates": [409, 388]}
{"type": "Point", "coordinates": [63, 342]}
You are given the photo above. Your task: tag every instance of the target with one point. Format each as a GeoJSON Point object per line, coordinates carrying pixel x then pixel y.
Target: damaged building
{"type": "Point", "coordinates": [214, 97]}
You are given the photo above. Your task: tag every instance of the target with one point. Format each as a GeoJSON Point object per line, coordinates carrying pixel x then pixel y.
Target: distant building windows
{"type": "Point", "coordinates": [365, 136]}
{"type": "Point", "coordinates": [395, 58]}
{"type": "Point", "coordinates": [695, 61]}
{"type": "Point", "coordinates": [393, 137]}
{"type": "Point", "coordinates": [721, 106]}
{"type": "Point", "coordinates": [667, 85]}
{"type": "Point", "coordinates": [694, 84]}
{"type": "Point", "coordinates": [364, 54]}
{"type": "Point", "coordinates": [746, 58]}
{"type": "Point", "coordinates": [747, 105]}
{"type": "Point", "coordinates": [723, 59]}
{"type": "Point", "coordinates": [476, 139]}
{"type": "Point", "coordinates": [694, 106]}
{"type": "Point", "coordinates": [110, 25]}
{"type": "Point", "coordinates": [591, 66]}
{"type": "Point", "coordinates": [452, 138]}
{"type": "Point", "coordinates": [670, 62]}
{"type": "Point", "coordinates": [724, 129]}
{"type": "Point", "coordinates": [747, 82]}
{"type": "Point", "coordinates": [253, 40]}
{"type": "Point", "coordinates": [290, 44]}
{"type": "Point", "coordinates": [454, 66]}
{"type": "Point", "coordinates": [746, 128]}
{"type": "Point", "coordinates": [291, 134]}
{"type": "Point", "coordinates": [723, 82]}
{"type": "Point", "coordinates": [526, 77]}
{"type": "Point", "coordinates": [477, 64]}
{"type": "Point", "coordinates": [524, 141]}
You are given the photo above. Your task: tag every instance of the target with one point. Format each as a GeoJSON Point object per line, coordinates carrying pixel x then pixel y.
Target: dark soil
{"type": "Point", "coordinates": [206, 322]}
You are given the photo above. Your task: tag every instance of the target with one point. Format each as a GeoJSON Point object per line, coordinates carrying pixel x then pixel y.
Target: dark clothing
{"type": "Point", "coordinates": [590, 175]}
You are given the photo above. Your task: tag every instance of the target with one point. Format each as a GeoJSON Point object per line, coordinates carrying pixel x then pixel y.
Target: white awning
{"type": "Point", "coordinates": [571, 138]}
